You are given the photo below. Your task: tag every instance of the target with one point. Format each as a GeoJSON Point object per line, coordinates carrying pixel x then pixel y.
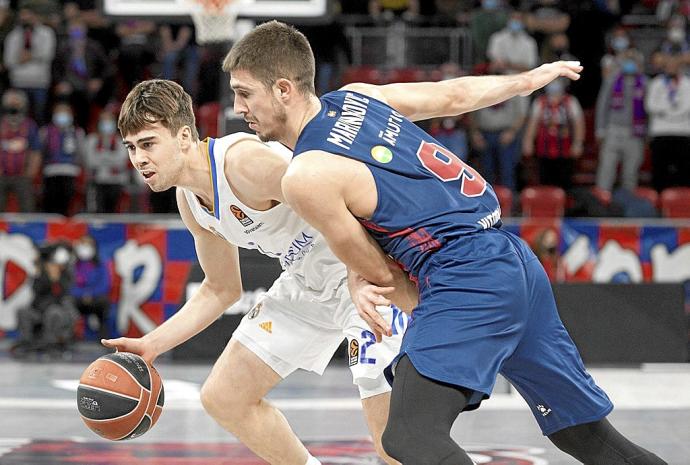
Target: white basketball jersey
{"type": "Point", "coordinates": [278, 232]}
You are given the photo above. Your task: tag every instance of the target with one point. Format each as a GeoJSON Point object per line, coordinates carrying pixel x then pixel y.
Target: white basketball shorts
{"type": "Point", "coordinates": [289, 329]}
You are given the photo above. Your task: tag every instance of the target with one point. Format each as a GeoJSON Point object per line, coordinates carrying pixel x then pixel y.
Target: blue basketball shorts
{"type": "Point", "coordinates": [487, 307]}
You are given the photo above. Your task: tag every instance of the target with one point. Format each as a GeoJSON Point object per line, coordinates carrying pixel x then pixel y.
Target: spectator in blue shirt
{"type": "Point", "coordinates": [92, 283]}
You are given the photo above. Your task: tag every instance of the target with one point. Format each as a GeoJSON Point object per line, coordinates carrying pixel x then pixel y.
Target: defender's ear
{"type": "Point", "coordinates": [284, 87]}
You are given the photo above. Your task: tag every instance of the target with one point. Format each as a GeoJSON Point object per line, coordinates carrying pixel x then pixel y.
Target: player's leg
{"type": "Point", "coordinates": [234, 395]}
{"type": "Point", "coordinates": [367, 360]}
{"type": "Point", "coordinates": [376, 410]}
{"type": "Point", "coordinates": [422, 412]}
{"type": "Point", "coordinates": [599, 443]}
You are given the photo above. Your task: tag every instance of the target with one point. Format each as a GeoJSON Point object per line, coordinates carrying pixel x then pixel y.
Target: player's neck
{"type": "Point", "coordinates": [196, 176]}
{"type": "Point", "coordinates": [311, 108]}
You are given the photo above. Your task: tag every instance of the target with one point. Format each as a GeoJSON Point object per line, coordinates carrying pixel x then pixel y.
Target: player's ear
{"type": "Point", "coordinates": [184, 137]}
{"type": "Point", "coordinates": [284, 88]}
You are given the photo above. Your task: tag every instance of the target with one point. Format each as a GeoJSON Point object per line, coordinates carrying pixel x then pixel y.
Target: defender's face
{"type": "Point", "coordinates": [156, 155]}
{"type": "Point", "coordinates": [258, 106]}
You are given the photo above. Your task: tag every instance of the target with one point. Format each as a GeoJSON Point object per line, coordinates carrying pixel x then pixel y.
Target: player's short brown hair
{"type": "Point", "coordinates": [157, 101]}
{"type": "Point", "coordinates": [272, 51]}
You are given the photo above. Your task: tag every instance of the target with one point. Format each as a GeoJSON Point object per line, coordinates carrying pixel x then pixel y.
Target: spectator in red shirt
{"type": "Point", "coordinates": [20, 151]}
{"type": "Point", "coordinates": [555, 134]}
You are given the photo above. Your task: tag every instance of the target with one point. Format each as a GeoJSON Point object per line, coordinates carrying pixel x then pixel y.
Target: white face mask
{"type": "Point", "coordinates": [676, 35]}
{"type": "Point", "coordinates": [448, 123]}
{"type": "Point", "coordinates": [84, 251]}
{"type": "Point", "coordinates": [61, 256]}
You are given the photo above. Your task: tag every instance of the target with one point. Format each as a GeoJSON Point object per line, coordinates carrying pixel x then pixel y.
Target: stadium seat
{"type": "Point", "coordinates": [207, 119]}
{"type": "Point", "coordinates": [675, 202]}
{"type": "Point", "coordinates": [542, 201]}
{"type": "Point", "coordinates": [505, 200]}
{"type": "Point", "coordinates": [648, 194]}
{"type": "Point", "coordinates": [368, 74]}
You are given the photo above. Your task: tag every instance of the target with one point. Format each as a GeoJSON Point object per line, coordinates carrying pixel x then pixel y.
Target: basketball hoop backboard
{"type": "Point", "coordinates": [258, 9]}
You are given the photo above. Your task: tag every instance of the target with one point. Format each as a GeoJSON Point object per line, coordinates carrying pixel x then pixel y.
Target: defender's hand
{"type": "Point", "coordinates": [366, 297]}
{"type": "Point", "coordinates": [541, 76]}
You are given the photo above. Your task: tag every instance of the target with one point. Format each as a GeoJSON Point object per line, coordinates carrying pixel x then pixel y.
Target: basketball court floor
{"type": "Point", "coordinates": [39, 424]}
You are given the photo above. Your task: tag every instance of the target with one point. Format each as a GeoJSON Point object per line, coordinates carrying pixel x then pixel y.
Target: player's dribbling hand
{"type": "Point", "coordinates": [367, 297]}
{"type": "Point", "coordinates": [133, 345]}
{"type": "Point", "coordinates": [541, 76]}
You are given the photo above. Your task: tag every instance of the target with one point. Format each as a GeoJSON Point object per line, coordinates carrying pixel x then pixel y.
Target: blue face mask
{"type": "Point", "coordinates": [106, 126]}
{"type": "Point", "coordinates": [62, 119]}
{"type": "Point", "coordinates": [490, 4]}
{"type": "Point", "coordinates": [515, 25]}
{"type": "Point", "coordinates": [620, 43]}
{"type": "Point", "coordinates": [629, 67]}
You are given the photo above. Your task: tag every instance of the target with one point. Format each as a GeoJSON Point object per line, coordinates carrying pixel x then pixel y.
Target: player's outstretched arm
{"type": "Point", "coordinates": [221, 287]}
{"type": "Point", "coordinates": [424, 100]}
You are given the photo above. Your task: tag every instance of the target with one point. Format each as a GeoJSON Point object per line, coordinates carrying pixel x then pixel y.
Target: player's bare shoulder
{"type": "Point", "coordinates": [254, 171]}
{"type": "Point", "coordinates": [370, 90]}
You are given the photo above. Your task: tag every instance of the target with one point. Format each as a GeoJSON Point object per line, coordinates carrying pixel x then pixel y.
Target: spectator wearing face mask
{"type": "Point", "coordinates": [618, 44]}
{"type": "Point", "coordinates": [621, 123]}
{"type": "Point", "coordinates": [20, 151]}
{"type": "Point", "coordinates": [555, 134]}
{"type": "Point", "coordinates": [28, 53]}
{"type": "Point", "coordinates": [674, 47]}
{"type": "Point", "coordinates": [81, 68]}
{"type": "Point", "coordinates": [48, 323]}
{"type": "Point", "coordinates": [490, 18]}
{"type": "Point", "coordinates": [63, 145]}
{"type": "Point", "coordinates": [546, 17]}
{"type": "Point", "coordinates": [512, 50]}
{"type": "Point", "coordinates": [106, 163]}
{"type": "Point", "coordinates": [91, 288]}
{"type": "Point", "coordinates": [668, 105]}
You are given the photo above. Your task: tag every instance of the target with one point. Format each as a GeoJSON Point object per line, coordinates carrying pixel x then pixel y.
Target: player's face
{"type": "Point", "coordinates": [259, 106]}
{"type": "Point", "coordinates": [156, 155]}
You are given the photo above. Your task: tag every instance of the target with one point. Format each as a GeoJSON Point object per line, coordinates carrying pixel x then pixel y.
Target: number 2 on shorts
{"type": "Point", "coordinates": [369, 339]}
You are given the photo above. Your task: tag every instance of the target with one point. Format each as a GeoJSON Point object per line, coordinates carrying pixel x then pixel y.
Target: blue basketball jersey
{"type": "Point", "coordinates": [427, 196]}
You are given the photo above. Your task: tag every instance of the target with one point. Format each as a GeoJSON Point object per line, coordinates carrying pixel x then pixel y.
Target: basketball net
{"type": "Point", "coordinates": [214, 20]}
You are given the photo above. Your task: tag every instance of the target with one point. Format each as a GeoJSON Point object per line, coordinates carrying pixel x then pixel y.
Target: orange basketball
{"type": "Point", "coordinates": [120, 396]}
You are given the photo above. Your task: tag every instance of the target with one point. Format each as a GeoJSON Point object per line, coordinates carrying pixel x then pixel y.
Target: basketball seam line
{"type": "Point", "coordinates": [110, 392]}
{"type": "Point", "coordinates": [130, 374]}
{"type": "Point", "coordinates": [121, 416]}
{"type": "Point", "coordinates": [137, 425]}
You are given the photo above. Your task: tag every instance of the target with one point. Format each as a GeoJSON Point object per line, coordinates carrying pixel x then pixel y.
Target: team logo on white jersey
{"type": "Point", "coordinates": [241, 215]}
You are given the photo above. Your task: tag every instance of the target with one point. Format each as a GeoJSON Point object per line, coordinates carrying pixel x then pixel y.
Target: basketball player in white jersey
{"type": "Point", "coordinates": [229, 196]}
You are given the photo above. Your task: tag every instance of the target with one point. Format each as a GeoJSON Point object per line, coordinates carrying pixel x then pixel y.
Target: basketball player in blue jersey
{"type": "Point", "coordinates": [376, 185]}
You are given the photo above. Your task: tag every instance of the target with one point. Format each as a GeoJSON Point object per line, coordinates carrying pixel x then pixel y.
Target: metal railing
{"type": "Point", "coordinates": [400, 45]}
